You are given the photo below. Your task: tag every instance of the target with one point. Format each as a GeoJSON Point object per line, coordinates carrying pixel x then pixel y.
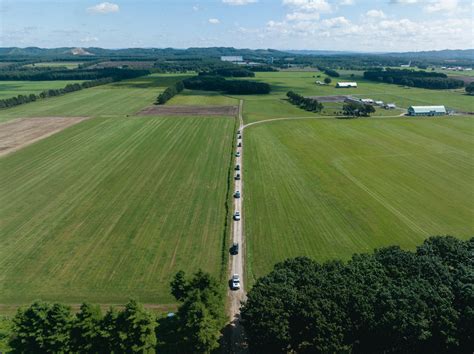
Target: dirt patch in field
{"type": "Point", "coordinates": [467, 79]}
{"type": "Point", "coordinates": [339, 98]}
{"type": "Point", "coordinates": [18, 133]}
{"type": "Point", "coordinates": [190, 111]}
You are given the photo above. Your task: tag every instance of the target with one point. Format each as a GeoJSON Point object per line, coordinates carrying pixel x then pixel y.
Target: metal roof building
{"type": "Point", "coordinates": [427, 111]}
{"type": "Point", "coordinates": [346, 84]}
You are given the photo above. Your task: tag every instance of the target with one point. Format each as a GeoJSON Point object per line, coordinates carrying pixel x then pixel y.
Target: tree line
{"type": "Point", "coordinates": [390, 301]}
{"type": "Point", "coordinates": [44, 327]}
{"type": "Point", "coordinates": [328, 71]}
{"type": "Point", "coordinates": [169, 93]}
{"type": "Point", "coordinates": [51, 74]}
{"type": "Point", "coordinates": [21, 99]}
{"type": "Point", "coordinates": [413, 78]}
{"type": "Point", "coordinates": [218, 83]}
{"type": "Point", "coordinates": [308, 104]}
{"type": "Point", "coordinates": [229, 72]}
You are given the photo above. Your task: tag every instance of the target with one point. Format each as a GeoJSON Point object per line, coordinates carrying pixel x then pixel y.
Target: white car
{"type": "Point", "coordinates": [237, 216]}
{"type": "Point", "coordinates": [237, 154]}
{"type": "Point", "coordinates": [235, 282]}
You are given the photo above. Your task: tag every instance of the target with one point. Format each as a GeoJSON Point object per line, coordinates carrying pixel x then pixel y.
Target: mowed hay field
{"type": "Point", "coordinates": [328, 188]}
{"type": "Point", "coordinates": [261, 107]}
{"type": "Point", "coordinates": [114, 206]}
{"type": "Point", "coordinates": [116, 99]}
{"type": "Point", "coordinates": [14, 88]}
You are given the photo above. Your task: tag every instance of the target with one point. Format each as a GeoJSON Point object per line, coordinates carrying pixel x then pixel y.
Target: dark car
{"type": "Point", "coordinates": [237, 167]}
{"type": "Point", "coordinates": [234, 249]}
{"type": "Point", "coordinates": [237, 194]}
{"type": "Point", "coordinates": [239, 144]}
{"type": "Point", "coordinates": [237, 176]}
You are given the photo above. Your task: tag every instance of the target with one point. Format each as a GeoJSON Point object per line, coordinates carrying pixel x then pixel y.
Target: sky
{"type": "Point", "coordinates": [342, 25]}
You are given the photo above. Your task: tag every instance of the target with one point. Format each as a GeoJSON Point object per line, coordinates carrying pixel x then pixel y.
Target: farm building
{"type": "Point", "coordinates": [379, 103]}
{"type": "Point", "coordinates": [367, 100]}
{"type": "Point", "coordinates": [232, 59]}
{"type": "Point", "coordinates": [390, 106]}
{"type": "Point", "coordinates": [426, 110]}
{"type": "Point", "coordinates": [346, 84]}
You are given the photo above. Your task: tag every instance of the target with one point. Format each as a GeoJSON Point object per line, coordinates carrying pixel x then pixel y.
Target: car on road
{"type": "Point", "coordinates": [239, 137]}
{"type": "Point", "coordinates": [238, 132]}
{"type": "Point", "coordinates": [237, 194]}
{"type": "Point", "coordinates": [237, 177]}
{"type": "Point", "coordinates": [237, 216]}
{"type": "Point", "coordinates": [234, 249]}
{"type": "Point", "coordinates": [237, 167]}
{"type": "Point", "coordinates": [239, 144]}
{"type": "Point", "coordinates": [235, 282]}
{"type": "Point", "coordinates": [237, 154]}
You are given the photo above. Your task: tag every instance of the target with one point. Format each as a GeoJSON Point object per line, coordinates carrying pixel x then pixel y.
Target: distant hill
{"type": "Point", "coordinates": [448, 54]}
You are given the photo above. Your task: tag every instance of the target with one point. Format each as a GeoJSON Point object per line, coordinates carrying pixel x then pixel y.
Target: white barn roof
{"type": "Point", "coordinates": [428, 109]}
{"type": "Point", "coordinates": [347, 84]}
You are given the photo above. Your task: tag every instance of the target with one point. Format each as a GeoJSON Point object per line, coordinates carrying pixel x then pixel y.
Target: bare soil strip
{"type": "Point", "coordinates": [338, 98]}
{"type": "Point", "coordinates": [190, 111]}
{"type": "Point", "coordinates": [18, 133]}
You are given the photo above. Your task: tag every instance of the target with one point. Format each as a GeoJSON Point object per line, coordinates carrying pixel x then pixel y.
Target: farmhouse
{"type": "Point", "coordinates": [427, 111]}
{"type": "Point", "coordinates": [346, 84]}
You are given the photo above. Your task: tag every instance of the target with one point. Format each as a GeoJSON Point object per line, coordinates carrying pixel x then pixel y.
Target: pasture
{"type": "Point", "coordinates": [112, 207]}
{"type": "Point", "coordinates": [14, 88]}
{"type": "Point", "coordinates": [274, 104]}
{"type": "Point", "coordinates": [55, 65]}
{"type": "Point", "coordinates": [122, 98]}
{"type": "Point", "coordinates": [327, 188]}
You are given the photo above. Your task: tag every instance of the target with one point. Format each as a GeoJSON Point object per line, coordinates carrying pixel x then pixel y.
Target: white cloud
{"type": "Point", "coordinates": [404, 2]}
{"type": "Point", "coordinates": [302, 16]}
{"type": "Point", "coordinates": [104, 8]}
{"type": "Point", "coordinates": [239, 2]}
{"type": "Point", "coordinates": [375, 14]}
{"type": "Point", "coordinates": [196, 8]}
{"type": "Point", "coordinates": [346, 2]}
{"type": "Point", "coordinates": [336, 22]}
{"type": "Point", "coordinates": [309, 5]}
{"type": "Point", "coordinates": [214, 21]}
{"type": "Point", "coordinates": [442, 5]}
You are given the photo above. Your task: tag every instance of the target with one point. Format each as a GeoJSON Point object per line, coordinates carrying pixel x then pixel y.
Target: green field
{"type": "Point", "coordinates": [14, 88]}
{"type": "Point", "coordinates": [202, 98]}
{"type": "Point", "coordinates": [274, 105]}
{"type": "Point", "coordinates": [112, 208]}
{"type": "Point", "coordinates": [328, 188]}
{"type": "Point", "coordinates": [121, 98]}
{"type": "Point", "coordinates": [56, 64]}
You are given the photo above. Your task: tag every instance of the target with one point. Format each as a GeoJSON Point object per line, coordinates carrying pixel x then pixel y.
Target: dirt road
{"type": "Point", "coordinates": [237, 261]}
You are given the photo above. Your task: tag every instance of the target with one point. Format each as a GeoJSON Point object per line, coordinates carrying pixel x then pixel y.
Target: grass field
{"type": "Point", "coordinates": [328, 188]}
{"type": "Point", "coordinates": [112, 208]}
{"type": "Point", "coordinates": [55, 64]}
{"type": "Point", "coordinates": [259, 107]}
{"type": "Point", "coordinates": [202, 98]}
{"type": "Point", "coordinates": [121, 98]}
{"type": "Point", "coordinates": [14, 88]}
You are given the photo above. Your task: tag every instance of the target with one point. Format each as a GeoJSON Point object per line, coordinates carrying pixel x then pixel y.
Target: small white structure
{"type": "Point", "coordinates": [367, 100]}
{"type": "Point", "coordinates": [320, 83]}
{"type": "Point", "coordinates": [232, 59]}
{"type": "Point", "coordinates": [346, 85]}
{"type": "Point", "coordinates": [379, 103]}
{"type": "Point", "coordinates": [427, 111]}
{"type": "Point", "coordinates": [390, 106]}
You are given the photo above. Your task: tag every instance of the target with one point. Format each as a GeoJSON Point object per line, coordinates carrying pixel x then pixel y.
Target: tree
{"type": "Point", "coordinates": [356, 109]}
{"type": "Point", "coordinates": [327, 80]}
{"type": "Point", "coordinates": [42, 328]}
{"type": "Point", "coordinates": [201, 314]}
{"type": "Point", "coordinates": [136, 329]}
{"type": "Point", "coordinates": [391, 301]}
{"type": "Point", "coordinates": [86, 330]}
{"type": "Point", "coordinates": [470, 88]}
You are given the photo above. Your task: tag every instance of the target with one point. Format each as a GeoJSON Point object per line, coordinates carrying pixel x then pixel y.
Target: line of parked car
{"type": "Point", "coordinates": [234, 250]}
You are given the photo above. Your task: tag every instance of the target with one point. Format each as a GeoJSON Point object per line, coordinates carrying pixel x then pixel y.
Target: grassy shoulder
{"type": "Point", "coordinates": [328, 188]}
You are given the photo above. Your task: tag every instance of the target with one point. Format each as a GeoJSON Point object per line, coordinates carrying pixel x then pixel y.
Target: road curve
{"type": "Point", "coordinates": [237, 261]}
